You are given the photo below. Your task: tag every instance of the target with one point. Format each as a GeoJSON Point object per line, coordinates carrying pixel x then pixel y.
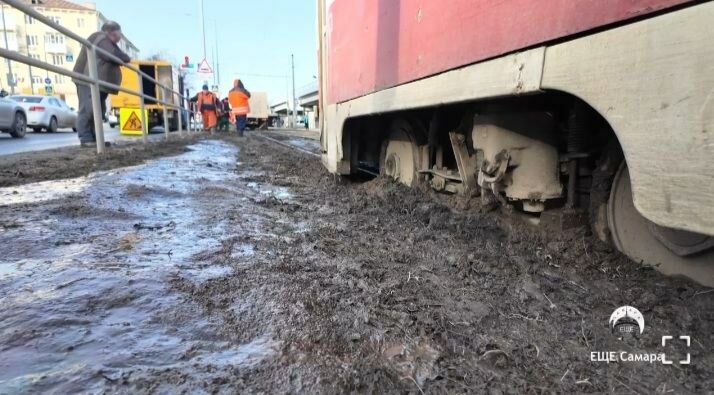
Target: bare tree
{"type": "Point", "coordinates": [157, 56]}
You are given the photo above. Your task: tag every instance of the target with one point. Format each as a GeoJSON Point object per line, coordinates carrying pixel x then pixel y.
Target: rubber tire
{"type": "Point", "coordinates": [18, 130]}
{"type": "Point", "coordinates": [52, 127]}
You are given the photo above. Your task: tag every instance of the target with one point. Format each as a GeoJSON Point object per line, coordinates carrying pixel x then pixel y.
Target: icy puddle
{"type": "Point", "coordinates": [42, 191]}
{"type": "Point", "coordinates": [84, 266]}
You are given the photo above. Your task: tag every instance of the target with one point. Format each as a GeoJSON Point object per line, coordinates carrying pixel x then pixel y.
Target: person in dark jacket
{"type": "Point", "coordinates": [224, 122]}
{"type": "Point", "coordinates": [108, 70]}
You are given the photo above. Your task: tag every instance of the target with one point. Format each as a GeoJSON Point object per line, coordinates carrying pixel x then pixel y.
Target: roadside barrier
{"type": "Point", "coordinates": [96, 84]}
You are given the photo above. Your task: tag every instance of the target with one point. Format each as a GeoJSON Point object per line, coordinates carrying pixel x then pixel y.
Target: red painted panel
{"type": "Point", "coordinates": [376, 44]}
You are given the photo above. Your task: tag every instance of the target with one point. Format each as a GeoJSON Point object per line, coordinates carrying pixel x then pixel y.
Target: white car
{"type": "Point", "coordinates": [12, 118]}
{"type": "Point", "coordinates": [112, 120]}
{"type": "Point", "coordinates": [46, 112]}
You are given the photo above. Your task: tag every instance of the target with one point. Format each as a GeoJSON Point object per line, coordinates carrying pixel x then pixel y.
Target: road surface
{"type": "Point", "coordinates": [64, 138]}
{"type": "Point", "coordinates": [241, 265]}
{"type": "Point", "coordinates": [42, 141]}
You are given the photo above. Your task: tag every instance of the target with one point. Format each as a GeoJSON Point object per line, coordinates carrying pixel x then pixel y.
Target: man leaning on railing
{"type": "Point", "coordinates": [108, 70]}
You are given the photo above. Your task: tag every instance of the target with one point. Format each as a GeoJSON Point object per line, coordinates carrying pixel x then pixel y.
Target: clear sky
{"type": "Point", "coordinates": [255, 37]}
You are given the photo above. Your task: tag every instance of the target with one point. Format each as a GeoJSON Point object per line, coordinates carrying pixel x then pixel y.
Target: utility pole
{"type": "Point", "coordinates": [215, 61]}
{"type": "Point", "coordinates": [11, 80]}
{"type": "Point", "coordinates": [32, 79]}
{"type": "Point", "coordinates": [218, 63]}
{"type": "Point", "coordinates": [287, 101]}
{"type": "Point", "coordinates": [292, 60]}
{"type": "Point", "coordinates": [203, 29]}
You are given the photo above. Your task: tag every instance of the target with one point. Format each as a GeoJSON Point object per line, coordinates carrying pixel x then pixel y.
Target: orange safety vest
{"type": "Point", "coordinates": [239, 102]}
{"type": "Point", "coordinates": [206, 101]}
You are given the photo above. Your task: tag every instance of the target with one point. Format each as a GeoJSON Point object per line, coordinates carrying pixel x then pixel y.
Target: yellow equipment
{"type": "Point", "coordinates": [128, 107]}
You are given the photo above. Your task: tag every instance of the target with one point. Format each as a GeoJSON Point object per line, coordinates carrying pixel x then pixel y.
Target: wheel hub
{"type": "Point", "coordinates": [400, 159]}
{"type": "Point", "coordinates": [392, 166]}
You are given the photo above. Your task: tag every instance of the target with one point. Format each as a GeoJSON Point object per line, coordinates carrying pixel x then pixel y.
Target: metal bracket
{"type": "Point", "coordinates": [465, 162]}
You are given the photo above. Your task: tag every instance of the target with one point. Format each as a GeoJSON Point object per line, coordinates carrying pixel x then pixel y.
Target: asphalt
{"type": "Point", "coordinates": [63, 138]}
{"type": "Point", "coordinates": [42, 141]}
{"type": "Point", "coordinates": [67, 138]}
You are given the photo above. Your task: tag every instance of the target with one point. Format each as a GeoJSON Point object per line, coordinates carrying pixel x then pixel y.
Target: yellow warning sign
{"type": "Point", "coordinates": [130, 119]}
{"type": "Point", "coordinates": [133, 124]}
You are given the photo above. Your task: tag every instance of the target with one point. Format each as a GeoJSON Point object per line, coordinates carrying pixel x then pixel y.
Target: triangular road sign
{"type": "Point", "coordinates": [204, 68]}
{"type": "Point", "coordinates": [133, 124]}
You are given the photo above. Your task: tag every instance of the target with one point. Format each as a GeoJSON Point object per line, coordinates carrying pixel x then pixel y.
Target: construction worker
{"type": "Point", "coordinates": [207, 104]}
{"type": "Point", "coordinates": [240, 107]}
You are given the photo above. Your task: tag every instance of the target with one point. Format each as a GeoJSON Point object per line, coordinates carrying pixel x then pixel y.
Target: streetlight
{"type": "Point", "coordinates": [11, 76]}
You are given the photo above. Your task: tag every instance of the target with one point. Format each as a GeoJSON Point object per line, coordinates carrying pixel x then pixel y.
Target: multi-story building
{"type": "Point", "coordinates": [37, 40]}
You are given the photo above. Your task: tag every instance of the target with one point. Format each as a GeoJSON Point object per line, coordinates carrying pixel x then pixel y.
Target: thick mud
{"type": "Point", "coordinates": [70, 162]}
{"type": "Point", "coordinates": [243, 266]}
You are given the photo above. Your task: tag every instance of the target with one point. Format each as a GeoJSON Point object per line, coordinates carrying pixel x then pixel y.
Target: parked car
{"type": "Point", "coordinates": [13, 118]}
{"type": "Point", "coordinates": [113, 120]}
{"type": "Point", "coordinates": [46, 112]}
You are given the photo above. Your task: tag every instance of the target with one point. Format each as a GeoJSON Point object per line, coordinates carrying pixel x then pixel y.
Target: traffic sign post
{"type": "Point", "coordinates": [204, 68]}
{"type": "Point", "coordinates": [187, 63]}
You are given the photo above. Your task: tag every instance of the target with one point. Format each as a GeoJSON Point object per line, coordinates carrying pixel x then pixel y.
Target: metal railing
{"type": "Point", "coordinates": [96, 84]}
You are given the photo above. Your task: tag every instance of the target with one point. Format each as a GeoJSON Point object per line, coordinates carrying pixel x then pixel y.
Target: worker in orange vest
{"type": "Point", "coordinates": [240, 107]}
{"type": "Point", "coordinates": [207, 104]}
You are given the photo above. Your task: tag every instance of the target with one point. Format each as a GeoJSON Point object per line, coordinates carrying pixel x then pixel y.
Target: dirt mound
{"type": "Point", "coordinates": [70, 162]}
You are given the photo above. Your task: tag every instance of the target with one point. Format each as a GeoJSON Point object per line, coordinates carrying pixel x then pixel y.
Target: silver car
{"type": "Point", "coordinates": [13, 118]}
{"type": "Point", "coordinates": [46, 112]}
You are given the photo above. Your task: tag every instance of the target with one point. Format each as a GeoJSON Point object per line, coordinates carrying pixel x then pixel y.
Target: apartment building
{"type": "Point", "coordinates": [37, 40]}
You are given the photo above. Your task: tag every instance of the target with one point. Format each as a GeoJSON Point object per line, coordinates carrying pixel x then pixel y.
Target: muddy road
{"type": "Point", "coordinates": [240, 265]}
{"type": "Point", "coordinates": [73, 161]}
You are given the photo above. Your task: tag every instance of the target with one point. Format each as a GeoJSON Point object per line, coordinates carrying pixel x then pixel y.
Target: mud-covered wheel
{"type": "Point", "coordinates": [671, 251]}
{"type": "Point", "coordinates": [401, 153]}
{"type": "Point", "coordinates": [19, 126]}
